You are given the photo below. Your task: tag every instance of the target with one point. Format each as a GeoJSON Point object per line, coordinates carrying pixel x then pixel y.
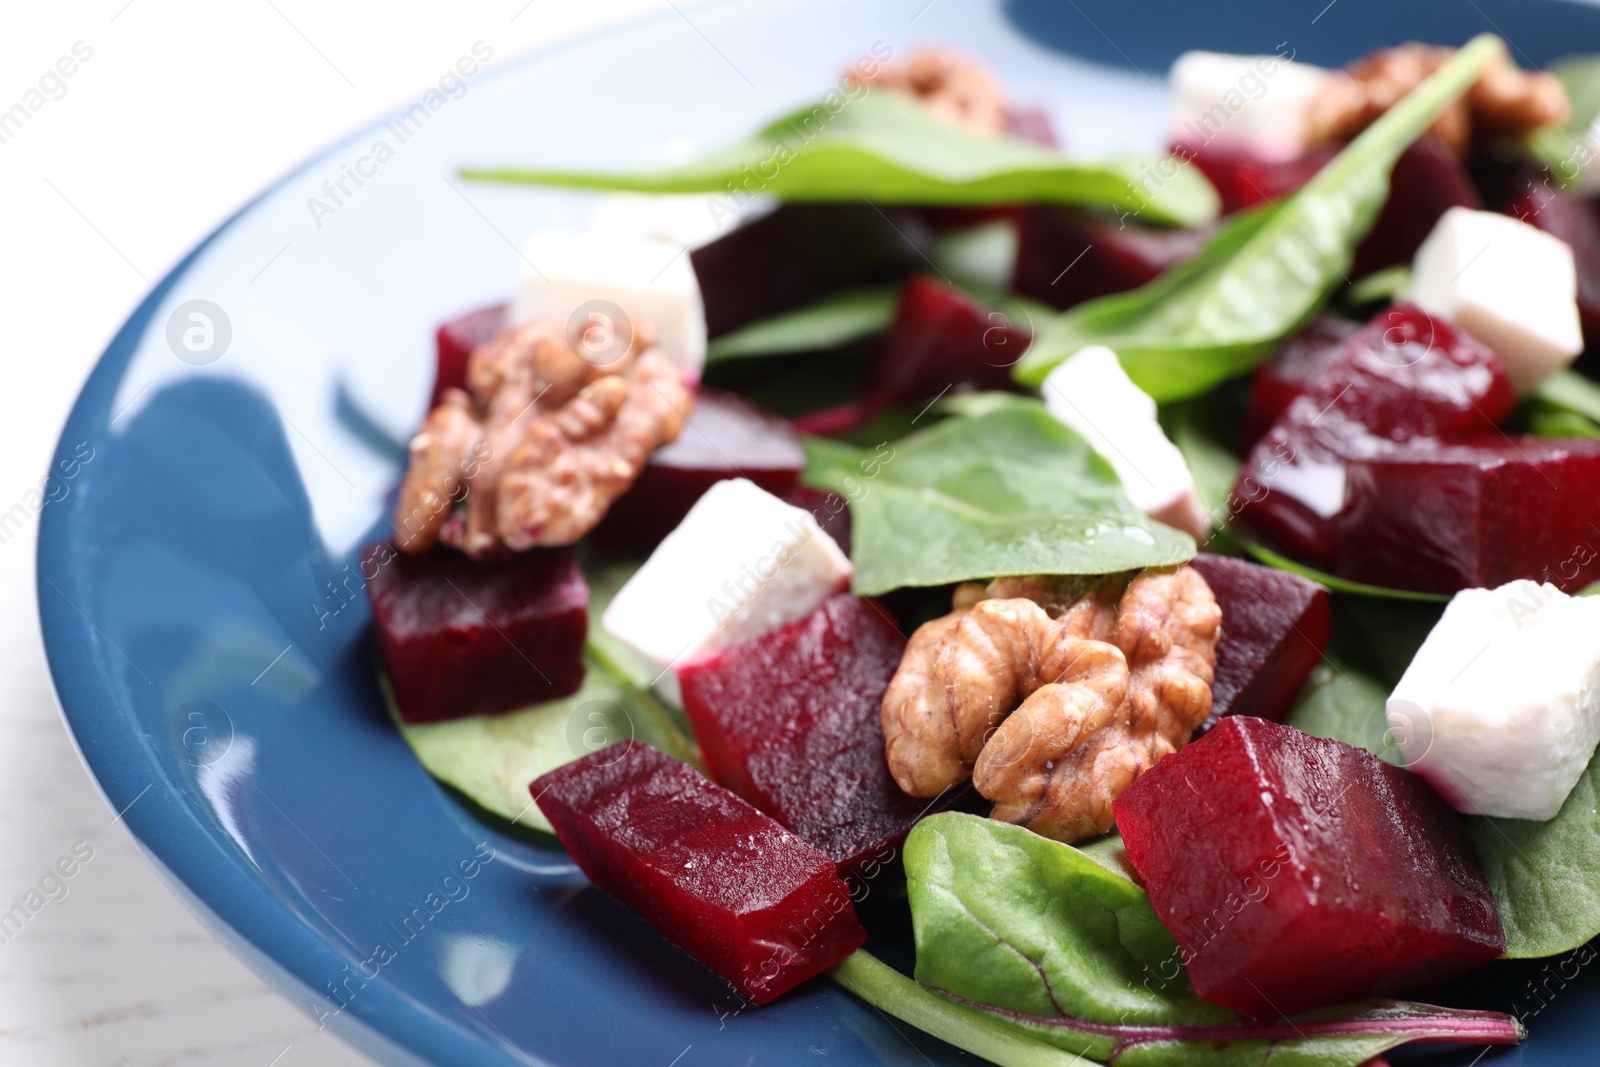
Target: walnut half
{"type": "Point", "coordinates": [1503, 102]}
{"type": "Point", "coordinates": [541, 448]}
{"type": "Point", "coordinates": [1115, 680]}
{"type": "Point", "coordinates": [959, 90]}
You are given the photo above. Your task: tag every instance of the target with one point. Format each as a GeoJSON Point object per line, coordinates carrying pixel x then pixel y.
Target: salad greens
{"type": "Point", "coordinates": [1072, 958]}
{"type": "Point", "coordinates": [1011, 491]}
{"type": "Point", "coordinates": [1346, 704]}
{"type": "Point", "coordinates": [1566, 150]}
{"type": "Point", "coordinates": [1265, 272]}
{"type": "Point", "coordinates": [1566, 405]}
{"type": "Point", "coordinates": [1545, 875]}
{"type": "Point", "coordinates": [884, 148]}
{"type": "Point", "coordinates": [492, 759]}
{"type": "Point", "coordinates": [1332, 582]}
{"type": "Point", "coordinates": [834, 320]}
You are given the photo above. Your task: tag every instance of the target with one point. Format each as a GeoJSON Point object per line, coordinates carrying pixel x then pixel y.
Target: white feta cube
{"type": "Point", "coordinates": [1092, 395]}
{"type": "Point", "coordinates": [1508, 284]}
{"type": "Point", "coordinates": [1257, 104]}
{"type": "Point", "coordinates": [582, 279]}
{"type": "Point", "coordinates": [741, 563]}
{"type": "Point", "coordinates": [685, 221]}
{"type": "Point", "coordinates": [1500, 709]}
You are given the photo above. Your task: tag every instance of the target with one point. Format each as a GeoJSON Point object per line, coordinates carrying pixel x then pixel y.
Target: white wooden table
{"type": "Point", "coordinates": [180, 112]}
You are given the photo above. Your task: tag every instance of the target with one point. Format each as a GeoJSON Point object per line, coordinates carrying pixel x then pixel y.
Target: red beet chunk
{"type": "Point", "coordinates": [799, 253]}
{"type": "Point", "coordinates": [1479, 515]}
{"type": "Point", "coordinates": [1298, 871]}
{"type": "Point", "coordinates": [1274, 628]}
{"type": "Point", "coordinates": [727, 884]}
{"type": "Point", "coordinates": [1115, 256]}
{"type": "Point", "coordinates": [1243, 180]}
{"type": "Point", "coordinates": [1404, 377]}
{"type": "Point", "coordinates": [831, 511]}
{"type": "Point", "coordinates": [791, 722]}
{"type": "Point", "coordinates": [941, 338]}
{"type": "Point", "coordinates": [455, 341]}
{"type": "Point", "coordinates": [463, 637]}
{"type": "Point", "coordinates": [1032, 124]}
{"type": "Point", "coordinates": [1427, 181]}
{"type": "Point", "coordinates": [725, 437]}
{"type": "Point", "coordinates": [1576, 220]}
{"type": "Point", "coordinates": [1301, 362]}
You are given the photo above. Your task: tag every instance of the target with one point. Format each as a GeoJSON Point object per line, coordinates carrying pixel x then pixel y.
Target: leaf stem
{"type": "Point", "coordinates": [967, 1028]}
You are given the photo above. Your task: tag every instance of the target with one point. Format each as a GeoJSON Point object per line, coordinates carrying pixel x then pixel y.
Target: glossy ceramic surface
{"type": "Point", "coordinates": [203, 611]}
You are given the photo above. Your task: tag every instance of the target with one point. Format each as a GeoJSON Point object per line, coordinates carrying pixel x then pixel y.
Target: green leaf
{"type": "Point", "coordinates": [1388, 286]}
{"type": "Point", "coordinates": [830, 322]}
{"type": "Point", "coordinates": [1345, 704]}
{"type": "Point", "coordinates": [885, 148]}
{"type": "Point", "coordinates": [1037, 935]}
{"type": "Point", "coordinates": [1546, 875]}
{"type": "Point", "coordinates": [1011, 491]}
{"type": "Point", "coordinates": [1570, 391]}
{"type": "Point", "coordinates": [494, 758]}
{"type": "Point", "coordinates": [1332, 582]}
{"type": "Point", "coordinates": [1265, 272]}
{"type": "Point", "coordinates": [968, 1028]}
{"type": "Point", "coordinates": [1565, 150]}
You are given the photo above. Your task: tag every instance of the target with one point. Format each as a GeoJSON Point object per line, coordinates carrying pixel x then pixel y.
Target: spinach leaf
{"type": "Point", "coordinates": [1037, 935]}
{"type": "Point", "coordinates": [1388, 286]}
{"type": "Point", "coordinates": [1011, 491]}
{"type": "Point", "coordinates": [1347, 705]}
{"type": "Point", "coordinates": [1565, 150]}
{"type": "Point", "coordinates": [1570, 391]}
{"type": "Point", "coordinates": [493, 758]}
{"type": "Point", "coordinates": [1332, 582]}
{"type": "Point", "coordinates": [830, 322]}
{"type": "Point", "coordinates": [882, 147]}
{"type": "Point", "coordinates": [1546, 875]}
{"type": "Point", "coordinates": [1264, 272]}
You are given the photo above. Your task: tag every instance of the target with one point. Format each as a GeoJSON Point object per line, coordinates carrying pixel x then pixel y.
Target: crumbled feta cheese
{"type": "Point", "coordinates": [1508, 284]}
{"type": "Point", "coordinates": [583, 279]}
{"type": "Point", "coordinates": [740, 564]}
{"type": "Point", "coordinates": [1258, 104]}
{"type": "Point", "coordinates": [1093, 395]}
{"type": "Point", "coordinates": [1500, 709]}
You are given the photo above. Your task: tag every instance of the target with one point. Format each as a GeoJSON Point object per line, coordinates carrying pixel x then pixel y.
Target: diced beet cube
{"type": "Point", "coordinates": [1032, 124]}
{"type": "Point", "coordinates": [727, 884]}
{"type": "Point", "coordinates": [1427, 181]}
{"type": "Point", "coordinates": [1478, 515]}
{"type": "Point", "coordinates": [798, 253]}
{"type": "Point", "coordinates": [1243, 180]}
{"type": "Point", "coordinates": [791, 721]}
{"type": "Point", "coordinates": [1576, 220]}
{"type": "Point", "coordinates": [831, 511]}
{"type": "Point", "coordinates": [1301, 362]}
{"type": "Point", "coordinates": [1274, 628]}
{"type": "Point", "coordinates": [1065, 257]}
{"type": "Point", "coordinates": [1404, 377]}
{"type": "Point", "coordinates": [463, 637]}
{"type": "Point", "coordinates": [455, 341]}
{"type": "Point", "coordinates": [1297, 871]}
{"type": "Point", "coordinates": [941, 338]}
{"type": "Point", "coordinates": [725, 437]}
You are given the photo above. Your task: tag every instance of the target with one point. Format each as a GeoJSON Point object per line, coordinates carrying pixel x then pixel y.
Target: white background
{"type": "Point", "coordinates": [185, 110]}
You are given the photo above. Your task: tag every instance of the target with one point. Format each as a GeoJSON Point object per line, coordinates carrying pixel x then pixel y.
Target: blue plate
{"type": "Point", "coordinates": [200, 596]}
